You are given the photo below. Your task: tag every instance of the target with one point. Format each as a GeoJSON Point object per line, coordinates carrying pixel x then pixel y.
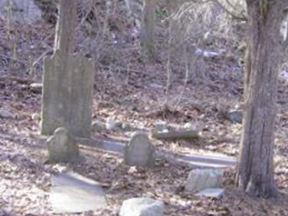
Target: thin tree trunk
{"type": "Point", "coordinates": [147, 29]}
{"type": "Point", "coordinates": [66, 24]}
{"type": "Point", "coordinates": [255, 170]}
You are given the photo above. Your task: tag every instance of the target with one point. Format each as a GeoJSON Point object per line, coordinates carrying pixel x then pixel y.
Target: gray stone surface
{"type": "Point", "coordinates": [4, 113]}
{"type": "Point", "coordinates": [67, 94]}
{"type": "Point", "coordinates": [62, 147]}
{"type": "Point", "coordinates": [98, 126]}
{"type": "Point", "coordinates": [235, 116]}
{"type": "Point", "coordinates": [73, 193]}
{"type": "Point", "coordinates": [211, 193]}
{"type": "Point", "coordinates": [139, 151]}
{"type": "Point", "coordinates": [142, 207]}
{"type": "Point", "coordinates": [205, 161]}
{"type": "Point", "coordinates": [200, 179]}
{"type": "Point", "coordinates": [23, 11]}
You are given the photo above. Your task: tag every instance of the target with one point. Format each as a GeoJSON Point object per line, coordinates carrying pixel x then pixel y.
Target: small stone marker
{"type": "Point", "coordinates": [67, 94]}
{"type": "Point", "coordinates": [142, 207]}
{"type": "Point", "coordinates": [200, 179]}
{"type": "Point", "coordinates": [73, 193]}
{"type": "Point", "coordinates": [139, 151]}
{"type": "Point", "coordinates": [211, 193]}
{"type": "Point", "coordinates": [62, 147]}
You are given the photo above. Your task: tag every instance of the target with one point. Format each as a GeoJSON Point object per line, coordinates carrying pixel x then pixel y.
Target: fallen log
{"type": "Point", "coordinates": [176, 135]}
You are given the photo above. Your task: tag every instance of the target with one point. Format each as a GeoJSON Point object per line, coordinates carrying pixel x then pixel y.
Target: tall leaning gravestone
{"type": "Point", "coordinates": [67, 94]}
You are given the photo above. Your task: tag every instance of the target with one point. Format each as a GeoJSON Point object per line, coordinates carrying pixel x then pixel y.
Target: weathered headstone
{"type": "Point", "coordinates": [139, 151]}
{"type": "Point", "coordinates": [62, 147]}
{"type": "Point", "coordinates": [142, 207]}
{"type": "Point", "coordinates": [67, 94]}
{"type": "Point", "coordinates": [200, 179]}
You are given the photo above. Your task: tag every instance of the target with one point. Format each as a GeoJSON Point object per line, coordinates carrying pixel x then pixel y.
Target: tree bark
{"type": "Point", "coordinates": [66, 24]}
{"type": "Point", "coordinates": [147, 29]}
{"type": "Point", "coordinates": [255, 174]}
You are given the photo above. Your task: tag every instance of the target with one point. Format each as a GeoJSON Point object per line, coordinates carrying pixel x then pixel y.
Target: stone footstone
{"type": "Point", "coordinates": [139, 151]}
{"type": "Point", "coordinates": [142, 207]}
{"type": "Point", "coordinates": [211, 193]}
{"type": "Point", "coordinates": [200, 179]}
{"type": "Point", "coordinates": [73, 193]}
{"type": "Point", "coordinates": [62, 146]}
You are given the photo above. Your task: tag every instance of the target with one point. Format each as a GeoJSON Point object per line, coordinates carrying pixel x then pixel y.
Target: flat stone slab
{"type": "Point", "coordinates": [73, 193]}
{"type": "Point", "coordinates": [193, 160]}
{"type": "Point", "coordinates": [206, 161]}
{"type": "Point", "coordinates": [211, 192]}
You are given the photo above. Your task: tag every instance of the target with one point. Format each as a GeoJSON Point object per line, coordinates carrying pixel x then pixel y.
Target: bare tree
{"type": "Point", "coordinates": [255, 174]}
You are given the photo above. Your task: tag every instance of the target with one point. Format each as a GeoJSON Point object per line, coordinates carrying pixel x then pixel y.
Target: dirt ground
{"type": "Point", "coordinates": [137, 97]}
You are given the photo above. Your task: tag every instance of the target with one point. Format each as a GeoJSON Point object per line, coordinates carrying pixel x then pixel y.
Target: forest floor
{"type": "Point", "coordinates": [136, 97]}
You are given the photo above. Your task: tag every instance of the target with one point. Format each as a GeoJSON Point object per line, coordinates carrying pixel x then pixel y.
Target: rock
{"type": "Point", "coordinates": [36, 117]}
{"type": "Point", "coordinates": [142, 207]}
{"type": "Point", "coordinates": [211, 193]}
{"type": "Point", "coordinates": [190, 126]}
{"type": "Point", "coordinates": [98, 126]}
{"type": "Point", "coordinates": [139, 151]}
{"type": "Point", "coordinates": [235, 116]}
{"type": "Point", "coordinates": [126, 127]}
{"type": "Point", "coordinates": [6, 114]}
{"type": "Point", "coordinates": [200, 179]}
{"type": "Point", "coordinates": [62, 147]}
{"type": "Point", "coordinates": [161, 126]}
{"type": "Point", "coordinates": [36, 87]}
{"type": "Point", "coordinates": [111, 124]}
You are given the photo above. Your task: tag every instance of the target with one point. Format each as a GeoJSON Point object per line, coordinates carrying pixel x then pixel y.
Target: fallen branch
{"type": "Point", "coordinates": [176, 135]}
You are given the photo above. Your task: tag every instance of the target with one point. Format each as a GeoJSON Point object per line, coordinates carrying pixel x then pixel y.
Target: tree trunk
{"type": "Point", "coordinates": [147, 29]}
{"type": "Point", "coordinates": [255, 174]}
{"type": "Point", "coordinates": [66, 24]}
